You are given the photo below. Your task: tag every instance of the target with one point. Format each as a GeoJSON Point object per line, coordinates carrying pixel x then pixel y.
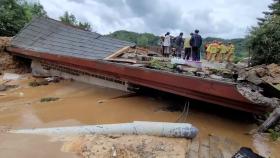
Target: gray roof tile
{"type": "Point", "coordinates": [51, 36]}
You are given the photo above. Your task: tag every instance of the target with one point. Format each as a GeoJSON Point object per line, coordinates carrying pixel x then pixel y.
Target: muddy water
{"type": "Point", "coordinates": [81, 104]}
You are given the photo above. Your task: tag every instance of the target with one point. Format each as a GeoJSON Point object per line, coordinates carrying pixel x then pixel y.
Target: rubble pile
{"type": "Point", "coordinates": [262, 73]}
{"type": "Point", "coordinates": [9, 63]}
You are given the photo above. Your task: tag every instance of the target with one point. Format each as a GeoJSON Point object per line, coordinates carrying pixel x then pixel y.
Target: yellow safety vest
{"type": "Point", "coordinates": [213, 48]}
{"type": "Point", "coordinates": [187, 43]}
{"type": "Point", "coordinates": [231, 49]}
{"type": "Point", "coordinates": [224, 49]}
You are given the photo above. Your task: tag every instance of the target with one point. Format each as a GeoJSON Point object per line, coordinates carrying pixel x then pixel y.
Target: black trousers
{"type": "Point", "coordinates": [188, 52]}
{"type": "Point", "coordinates": [196, 53]}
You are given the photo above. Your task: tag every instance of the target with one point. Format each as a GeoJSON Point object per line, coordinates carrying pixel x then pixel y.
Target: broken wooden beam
{"type": "Point", "coordinates": [272, 119]}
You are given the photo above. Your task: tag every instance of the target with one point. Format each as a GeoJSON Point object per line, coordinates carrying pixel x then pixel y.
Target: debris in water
{"type": "Point", "coordinates": [256, 97]}
{"type": "Point", "coordinates": [48, 99]}
{"type": "Point", "coordinates": [11, 77]}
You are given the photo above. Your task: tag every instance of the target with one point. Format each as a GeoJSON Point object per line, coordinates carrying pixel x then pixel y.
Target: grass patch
{"type": "Point", "coordinates": [274, 135]}
{"type": "Point", "coordinates": [48, 99]}
{"type": "Point", "coordinates": [33, 84]}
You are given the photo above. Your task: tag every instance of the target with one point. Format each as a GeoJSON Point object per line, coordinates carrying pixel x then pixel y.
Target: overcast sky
{"type": "Point", "coordinates": [215, 18]}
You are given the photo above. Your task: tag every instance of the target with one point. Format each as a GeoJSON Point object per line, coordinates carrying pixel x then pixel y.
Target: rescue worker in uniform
{"type": "Point", "coordinates": [223, 52]}
{"type": "Point", "coordinates": [205, 48]}
{"type": "Point", "coordinates": [213, 50]}
{"type": "Point", "coordinates": [231, 50]}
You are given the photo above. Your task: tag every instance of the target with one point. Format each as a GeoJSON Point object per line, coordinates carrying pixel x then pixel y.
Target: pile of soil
{"type": "Point", "coordinates": [9, 63]}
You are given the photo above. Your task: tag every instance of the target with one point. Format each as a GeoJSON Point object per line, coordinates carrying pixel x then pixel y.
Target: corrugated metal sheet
{"type": "Point", "coordinates": [48, 35]}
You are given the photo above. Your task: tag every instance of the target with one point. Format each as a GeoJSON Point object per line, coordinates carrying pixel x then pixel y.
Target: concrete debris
{"type": "Point", "coordinates": [44, 81]}
{"type": "Point", "coordinates": [3, 87]}
{"type": "Point", "coordinates": [253, 78]}
{"type": "Point", "coordinates": [11, 77]}
{"type": "Point", "coordinates": [256, 97]}
{"type": "Point", "coordinates": [4, 42]}
{"type": "Point", "coordinates": [8, 63]}
{"type": "Point", "coordinates": [261, 73]}
{"type": "Point", "coordinates": [213, 76]}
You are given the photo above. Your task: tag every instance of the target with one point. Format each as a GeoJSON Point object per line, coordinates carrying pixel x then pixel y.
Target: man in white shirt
{"type": "Point", "coordinates": [166, 44]}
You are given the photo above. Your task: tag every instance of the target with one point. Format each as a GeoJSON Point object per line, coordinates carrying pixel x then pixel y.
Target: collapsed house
{"type": "Point", "coordinates": [57, 49]}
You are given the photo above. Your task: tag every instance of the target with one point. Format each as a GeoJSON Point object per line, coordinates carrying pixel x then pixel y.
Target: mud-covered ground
{"type": "Point", "coordinates": [83, 104]}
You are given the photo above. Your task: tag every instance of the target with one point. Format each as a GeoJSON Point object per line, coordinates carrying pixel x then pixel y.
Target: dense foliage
{"type": "Point", "coordinates": [71, 20]}
{"type": "Point", "coordinates": [141, 39]}
{"type": "Point", "coordinates": [14, 14]}
{"type": "Point", "coordinates": [264, 40]}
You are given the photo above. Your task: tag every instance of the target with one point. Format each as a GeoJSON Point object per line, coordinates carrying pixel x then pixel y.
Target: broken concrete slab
{"type": "Point", "coordinates": [11, 77]}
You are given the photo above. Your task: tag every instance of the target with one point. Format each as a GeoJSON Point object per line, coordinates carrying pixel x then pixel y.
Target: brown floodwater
{"type": "Point", "coordinates": [82, 104]}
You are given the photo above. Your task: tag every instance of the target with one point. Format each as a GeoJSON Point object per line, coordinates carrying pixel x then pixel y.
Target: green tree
{"type": "Point", "coordinates": [264, 40]}
{"type": "Point", "coordinates": [141, 39]}
{"type": "Point", "coordinates": [85, 26]}
{"type": "Point", "coordinates": [14, 14]}
{"type": "Point", "coordinates": [70, 19]}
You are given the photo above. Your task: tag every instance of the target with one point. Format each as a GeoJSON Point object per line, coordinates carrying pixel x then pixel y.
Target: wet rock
{"type": "Point", "coordinates": [216, 77]}
{"type": "Point", "coordinates": [3, 87]}
{"type": "Point", "coordinates": [274, 70]}
{"type": "Point", "coordinates": [261, 72]}
{"type": "Point", "coordinates": [253, 78]}
{"type": "Point", "coordinates": [201, 74]}
{"type": "Point", "coordinates": [256, 97]}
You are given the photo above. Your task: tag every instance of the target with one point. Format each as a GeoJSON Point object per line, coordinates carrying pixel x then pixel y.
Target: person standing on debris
{"type": "Point", "coordinates": [223, 51]}
{"type": "Point", "coordinates": [206, 52]}
{"type": "Point", "coordinates": [187, 46]}
{"type": "Point", "coordinates": [213, 50]}
{"type": "Point", "coordinates": [166, 45]}
{"type": "Point", "coordinates": [231, 50]}
{"type": "Point", "coordinates": [161, 40]}
{"type": "Point", "coordinates": [196, 42]}
{"type": "Point", "coordinates": [179, 43]}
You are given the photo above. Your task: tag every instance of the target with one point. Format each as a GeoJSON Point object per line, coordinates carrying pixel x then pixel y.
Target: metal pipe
{"type": "Point", "coordinates": [162, 129]}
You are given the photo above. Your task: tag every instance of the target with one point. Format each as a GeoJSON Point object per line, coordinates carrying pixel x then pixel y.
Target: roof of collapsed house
{"type": "Point", "coordinates": [57, 43]}
{"type": "Point", "coordinates": [51, 36]}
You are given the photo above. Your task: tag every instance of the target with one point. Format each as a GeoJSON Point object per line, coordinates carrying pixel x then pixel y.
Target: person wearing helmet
{"type": "Point", "coordinates": [231, 50]}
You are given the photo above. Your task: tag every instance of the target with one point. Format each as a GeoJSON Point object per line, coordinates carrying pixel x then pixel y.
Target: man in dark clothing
{"type": "Point", "coordinates": [196, 42]}
{"type": "Point", "coordinates": [179, 44]}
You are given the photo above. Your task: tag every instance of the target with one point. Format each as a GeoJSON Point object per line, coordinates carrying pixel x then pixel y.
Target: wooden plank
{"type": "Point", "coordinates": [273, 118]}
{"type": "Point", "coordinates": [193, 149]}
{"type": "Point", "coordinates": [204, 148]}
{"type": "Point", "coordinates": [118, 53]}
{"type": "Point", "coordinates": [123, 60]}
{"type": "Point", "coordinates": [214, 150]}
{"type": "Point", "coordinates": [228, 147]}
